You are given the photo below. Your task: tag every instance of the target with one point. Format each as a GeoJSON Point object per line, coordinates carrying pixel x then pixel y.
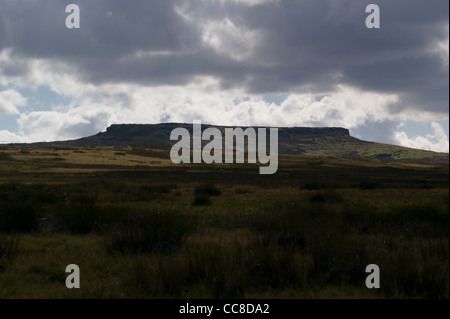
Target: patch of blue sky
{"type": "Point", "coordinates": [416, 128]}
{"type": "Point", "coordinates": [276, 98]}
{"type": "Point", "coordinates": [8, 122]}
{"type": "Point", "coordinates": [40, 99]}
{"type": "Point", "coordinates": [237, 101]}
{"type": "Point", "coordinates": [43, 99]}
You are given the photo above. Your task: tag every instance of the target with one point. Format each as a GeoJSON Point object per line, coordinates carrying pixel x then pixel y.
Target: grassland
{"type": "Point", "coordinates": [139, 226]}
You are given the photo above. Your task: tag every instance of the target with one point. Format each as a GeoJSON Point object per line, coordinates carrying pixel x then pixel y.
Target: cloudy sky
{"type": "Point", "coordinates": [226, 62]}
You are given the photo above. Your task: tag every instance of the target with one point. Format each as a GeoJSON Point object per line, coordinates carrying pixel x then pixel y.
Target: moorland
{"type": "Point", "coordinates": [139, 226]}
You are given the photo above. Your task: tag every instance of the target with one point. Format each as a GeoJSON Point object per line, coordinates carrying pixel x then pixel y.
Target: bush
{"type": "Point", "coordinates": [314, 184]}
{"type": "Point", "coordinates": [202, 193]}
{"type": "Point", "coordinates": [18, 216]}
{"type": "Point", "coordinates": [207, 189]}
{"type": "Point", "coordinates": [76, 218]}
{"type": "Point", "coordinates": [5, 157]}
{"type": "Point", "coordinates": [368, 184]}
{"type": "Point", "coordinates": [118, 192]}
{"type": "Point", "coordinates": [201, 200]}
{"type": "Point", "coordinates": [145, 232]}
{"type": "Point", "coordinates": [326, 196]}
{"type": "Point", "coordinates": [78, 214]}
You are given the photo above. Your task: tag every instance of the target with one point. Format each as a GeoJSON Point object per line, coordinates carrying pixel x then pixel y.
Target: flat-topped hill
{"type": "Point", "coordinates": [317, 141]}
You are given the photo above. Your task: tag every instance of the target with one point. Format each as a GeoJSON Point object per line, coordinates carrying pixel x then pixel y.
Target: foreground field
{"type": "Point", "coordinates": [140, 227]}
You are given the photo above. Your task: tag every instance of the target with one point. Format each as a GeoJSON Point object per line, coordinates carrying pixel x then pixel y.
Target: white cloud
{"type": "Point", "coordinates": [93, 108]}
{"type": "Point", "coordinates": [441, 48]}
{"type": "Point", "coordinates": [229, 40]}
{"type": "Point", "coordinates": [222, 33]}
{"type": "Point", "coordinates": [438, 141]}
{"type": "Point", "coordinates": [63, 125]}
{"type": "Point", "coordinates": [205, 100]}
{"type": "Point", "coordinates": [347, 107]}
{"type": "Point", "coordinates": [31, 73]}
{"type": "Point", "coordinates": [8, 137]}
{"type": "Point", "coordinates": [10, 100]}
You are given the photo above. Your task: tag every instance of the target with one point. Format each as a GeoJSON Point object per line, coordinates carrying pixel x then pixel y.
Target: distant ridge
{"type": "Point", "coordinates": [325, 141]}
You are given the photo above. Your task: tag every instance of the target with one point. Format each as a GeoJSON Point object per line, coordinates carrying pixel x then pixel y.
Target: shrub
{"type": "Point", "coordinates": [5, 157]}
{"type": "Point", "coordinates": [137, 193]}
{"type": "Point", "coordinates": [201, 200]}
{"type": "Point", "coordinates": [144, 232]}
{"type": "Point", "coordinates": [207, 189]}
{"type": "Point", "coordinates": [314, 184]}
{"type": "Point", "coordinates": [326, 196]}
{"type": "Point", "coordinates": [202, 193]}
{"type": "Point", "coordinates": [18, 216]}
{"type": "Point", "coordinates": [77, 218]}
{"type": "Point", "coordinates": [78, 214]}
{"type": "Point", "coordinates": [368, 184]}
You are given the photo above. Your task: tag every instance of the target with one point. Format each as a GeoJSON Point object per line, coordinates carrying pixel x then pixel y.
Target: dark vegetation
{"type": "Point", "coordinates": [202, 194]}
{"type": "Point", "coordinates": [216, 231]}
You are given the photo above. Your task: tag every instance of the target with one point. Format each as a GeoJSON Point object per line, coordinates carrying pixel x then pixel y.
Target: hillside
{"type": "Point", "coordinates": [329, 141]}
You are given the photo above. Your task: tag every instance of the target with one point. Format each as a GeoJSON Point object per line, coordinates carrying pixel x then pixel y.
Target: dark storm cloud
{"type": "Point", "coordinates": [109, 28]}
{"type": "Point", "coordinates": [169, 69]}
{"type": "Point", "coordinates": [309, 44]}
{"type": "Point", "coordinates": [309, 40]}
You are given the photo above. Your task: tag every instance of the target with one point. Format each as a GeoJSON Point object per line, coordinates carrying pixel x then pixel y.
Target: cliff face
{"type": "Point", "coordinates": [134, 130]}
{"type": "Point", "coordinates": [142, 129]}
{"type": "Point", "coordinates": [159, 135]}
{"type": "Point", "coordinates": [315, 131]}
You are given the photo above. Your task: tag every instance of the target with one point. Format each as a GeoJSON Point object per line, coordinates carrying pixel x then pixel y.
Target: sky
{"type": "Point", "coordinates": [226, 62]}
